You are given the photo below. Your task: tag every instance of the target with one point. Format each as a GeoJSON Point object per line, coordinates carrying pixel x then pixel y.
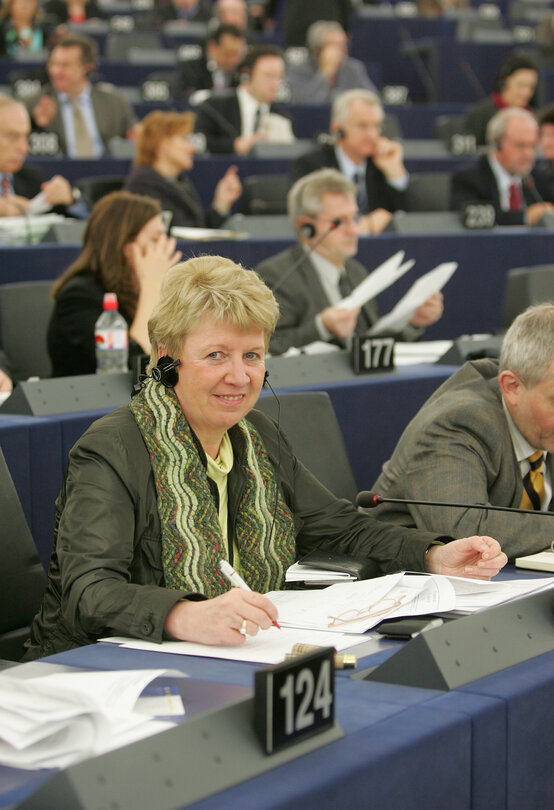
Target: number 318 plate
{"type": "Point", "coordinates": [295, 699]}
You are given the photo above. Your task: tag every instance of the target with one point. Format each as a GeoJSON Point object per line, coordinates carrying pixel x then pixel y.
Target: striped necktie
{"type": "Point", "coordinates": [533, 483]}
{"type": "Point", "coordinates": [83, 141]}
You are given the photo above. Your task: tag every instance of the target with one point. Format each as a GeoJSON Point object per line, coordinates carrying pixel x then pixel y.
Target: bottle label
{"type": "Point", "coordinates": [111, 339]}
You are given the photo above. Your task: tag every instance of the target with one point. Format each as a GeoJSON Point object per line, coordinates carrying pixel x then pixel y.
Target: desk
{"type": "Point", "coordinates": [481, 746]}
{"type": "Point", "coordinates": [372, 412]}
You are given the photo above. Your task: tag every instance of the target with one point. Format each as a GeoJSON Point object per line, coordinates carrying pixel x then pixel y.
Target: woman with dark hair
{"type": "Point", "coordinates": [514, 86]}
{"type": "Point", "coordinates": [126, 251]}
{"type": "Point", "coordinates": [21, 27]}
{"type": "Point", "coordinates": [165, 152]}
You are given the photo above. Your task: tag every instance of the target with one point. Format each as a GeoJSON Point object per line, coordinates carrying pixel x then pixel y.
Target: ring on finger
{"type": "Point", "coordinates": [243, 627]}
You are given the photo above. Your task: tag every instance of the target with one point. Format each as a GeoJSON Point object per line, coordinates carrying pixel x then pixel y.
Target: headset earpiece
{"type": "Point", "coordinates": [307, 230]}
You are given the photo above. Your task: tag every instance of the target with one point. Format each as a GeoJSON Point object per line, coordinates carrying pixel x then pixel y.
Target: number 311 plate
{"type": "Point", "coordinates": [295, 699]}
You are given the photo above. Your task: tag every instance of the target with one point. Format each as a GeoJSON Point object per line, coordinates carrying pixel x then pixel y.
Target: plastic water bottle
{"type": "Point", "coordinates": [111, 338]}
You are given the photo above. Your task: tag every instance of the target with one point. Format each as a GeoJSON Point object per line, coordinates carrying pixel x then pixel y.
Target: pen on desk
{"type": "Point", "coordinates": [236, 581]}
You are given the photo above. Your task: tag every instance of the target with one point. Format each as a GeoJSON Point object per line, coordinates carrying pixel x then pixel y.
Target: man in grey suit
{"type": "Point", "coordinates": [84, 116]}
{"type": "Point", "coordinates": [310, 279]}
{"type": "Point", "coordinates": [484, 437]}
{"type": "Point", "coordinates": [328, 70]}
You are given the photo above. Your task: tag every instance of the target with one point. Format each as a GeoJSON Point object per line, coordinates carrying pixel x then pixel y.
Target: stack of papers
{"type": "Point", "coordinates": [55, 720]}
{"type": "Point", "coordinates": [542, 561]}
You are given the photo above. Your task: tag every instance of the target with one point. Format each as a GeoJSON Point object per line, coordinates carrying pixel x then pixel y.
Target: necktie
{"type": "Point", "coordinates": [361, 197]}
{"type": "Point", "coordinates": [5, 186]}
{"type": "Point", "coordinates": [515, 197]}
{"type": "Point", "coordinates": [257, 119]}
{"type": "Point", "coordinates": [533, 483]}
{"type": "Point", "coordinates": [83, 142]}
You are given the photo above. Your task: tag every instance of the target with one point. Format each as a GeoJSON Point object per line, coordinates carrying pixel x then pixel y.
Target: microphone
{"type": "Point", "coordinates": [411, 49]}
{"type": "Point", "coordinates": [368, 499]}
{"type": "Point", "coordinates": [309, 233]}
{"type": "Point", "coordinates": [220, 119]}
{"type": "Point", "coordinates": [472, 78]}
{"type": "Point", "coordinates": [529, 182]}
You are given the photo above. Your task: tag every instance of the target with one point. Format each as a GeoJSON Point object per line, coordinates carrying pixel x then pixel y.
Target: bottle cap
{"type": "Point", "coordinates": [110, 300]}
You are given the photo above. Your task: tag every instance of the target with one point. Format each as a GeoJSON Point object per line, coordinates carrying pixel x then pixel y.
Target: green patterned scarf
{"type": "Point", "coordinates": [192, 542]}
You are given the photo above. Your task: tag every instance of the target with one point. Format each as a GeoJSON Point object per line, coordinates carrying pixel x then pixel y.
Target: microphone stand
{"type": "Point", "coordinates": [367, 499]}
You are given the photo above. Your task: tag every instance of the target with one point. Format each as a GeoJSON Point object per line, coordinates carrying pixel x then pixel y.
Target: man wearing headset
{"type": "Point", "coordinates": [309, 279]}
{"type": "Point", "coordinates": [235, 121]}
{"type": "Point", "coordinates": [374, 163]}
{"type": "Point", "coordinates": [504, 176]}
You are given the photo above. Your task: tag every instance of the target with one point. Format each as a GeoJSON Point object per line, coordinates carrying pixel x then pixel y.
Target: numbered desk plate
{"type": "Point", "coordinates": [372, 353]}
{"type": "Point", "coordinates": [294, 700]}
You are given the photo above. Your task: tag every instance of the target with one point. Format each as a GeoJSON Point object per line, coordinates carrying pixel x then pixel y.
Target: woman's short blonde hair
{"type": "Point", "coordinates": [154, 128]}
{"type": "Point", "coordinates": [209, 285]}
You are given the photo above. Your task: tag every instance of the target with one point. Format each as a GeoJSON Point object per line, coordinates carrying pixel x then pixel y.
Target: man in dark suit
{"type": "Point", "coordinates": [504, 176]}
{"type": "Point", "coordinates": [83, 116]}
{"type": "Point", "coordinates": [19, 184]}
{"type": "Point", "coordinates": [216, 69]}
{"type": "Point", "coordinates": [310, 279]}
{"type": "Point", "coordinates": [484, 437]}
{"type": "Point", "coordinates": [235, 121]}
{"type": "Point", "coordinates": [373, 163]}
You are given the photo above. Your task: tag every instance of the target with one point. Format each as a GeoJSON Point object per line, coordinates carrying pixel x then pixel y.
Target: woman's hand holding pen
{"type": "Point", "coordinates": [226, 619]}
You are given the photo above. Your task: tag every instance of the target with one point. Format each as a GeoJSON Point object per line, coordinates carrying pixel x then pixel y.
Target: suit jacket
{"type": "Point", "coordinates": [219, 120]}
{"type": "Point", "coordinates": [477, 183]}
{"type": "Point", "coordinates": [309, 86]}
{"type": "Point", "coordinates": [458, 448]}
{"type": "Point", "coordinates": [193, 75]}
{"type": "Point", "coordinates": [179, 197]}
{"type": "Point", "coordinates": [27, 181]}
{"type": "Point", "coordinates": [302, 297]}
{"type": "Point", "coordinates": [379, 193]}
{"type": "Point", "coordinates": [112, 112]}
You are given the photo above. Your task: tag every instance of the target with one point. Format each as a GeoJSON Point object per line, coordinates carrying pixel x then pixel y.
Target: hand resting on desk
{"type": "Point", "coordinates": [475, 557]}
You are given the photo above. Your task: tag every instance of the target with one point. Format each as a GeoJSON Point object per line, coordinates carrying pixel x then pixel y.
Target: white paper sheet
{"type": "Point", "coordinates": [419, 292]}
{"type": "Point", "coordinates": [378, 280]}
{"type": "Point", "coordinates": [206, 234]}
{"type": "Point", "coordinates": [267, 647]}
{"type": "Point", "coordinates": [54, 720]}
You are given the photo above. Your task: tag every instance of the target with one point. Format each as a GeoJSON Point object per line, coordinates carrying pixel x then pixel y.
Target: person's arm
{"type": "Point", "coordinates": [329, 523]}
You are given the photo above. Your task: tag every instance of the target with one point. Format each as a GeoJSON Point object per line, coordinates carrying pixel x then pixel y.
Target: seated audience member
{"type": "Point", "coordinates": [545, 167]}
{"type": "Point", "coordinates": [183, 11]}
{"type": "Point", "coordinates": [22, 27]}
{"type": "Point", "coordinates": [328, 70]}
{"type": "Point", "coordinates": [486, 436]}
{"type": "Point", "coordinates": [165, 153]}
{"type": "Point", "coordinates": [84, 116]}
{"type": "Point", "coordinates": [504, 176]}
{"type": "Point", "coordinates": [159, 491]}
{"type": "Point", "coordinates": [61, 12]}
{"type": "Point", "coordinates": [233, 12]}
{"type": "Point", "coordinates": [514, 86]}
{"type": "Point", "coordinates": [125, 251]}
{"type": "Point", "coordinates": [373, 163]}
{"type": "Point", "coordinates": [19, 183]}
{"type": "Point", "coordinates": [217, 68]}
{"type": "Point", "coordinates": [298, 15]}
{"type": "Point", "coordinates": [325, 270]}
{"type": "Point", "coordinates": [438, 8]}
{"type": "Point", "coordinates": [235, 121]}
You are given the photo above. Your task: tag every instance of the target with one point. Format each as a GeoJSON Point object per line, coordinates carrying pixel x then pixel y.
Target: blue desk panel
{"type": "Point", "coordinates": [404, 748]}
{"type": "Point", "coordinates": [473, 297]}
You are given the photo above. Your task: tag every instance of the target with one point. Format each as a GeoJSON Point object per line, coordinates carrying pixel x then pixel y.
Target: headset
{"type": "Point", "coordinates": [163, 372]}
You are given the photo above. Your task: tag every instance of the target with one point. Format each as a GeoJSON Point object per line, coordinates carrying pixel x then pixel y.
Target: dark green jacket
{"type": "Point", "coordinates": [106, 573]}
